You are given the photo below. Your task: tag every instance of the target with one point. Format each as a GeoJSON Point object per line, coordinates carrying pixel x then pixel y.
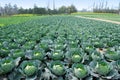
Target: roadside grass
{"type": "Point", "coordinates": [107, 16]}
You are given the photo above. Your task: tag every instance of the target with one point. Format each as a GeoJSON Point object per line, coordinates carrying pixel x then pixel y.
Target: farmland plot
{"type": "Point", "coordinates": [16, 19]}
{"type": "Point", "coordinates": [60, 48]}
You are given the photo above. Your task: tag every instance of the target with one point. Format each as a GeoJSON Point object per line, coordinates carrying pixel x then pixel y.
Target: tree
{"type": "Point", "coordinates": [69, 9]}
{"type": "Point", "coordinates": [0, 11]}
{"type": "Point", "coordinates": [8, 9]}
{"type": "Point", "coordinates": [35, 9]}
{"type": "Point", "coordinates": [102, 8]}
{"type": "Point", "coordinates": [119, 8]}
{"type": "Point", "coordinates": [15, 9]}
{"type": "Point", "coordinates": [73, 9]}
{"type": "Point", "coordinates": [55, 11]}
{"type": "Point", "coordinates": [21, 11]}
{"type": "Point", "coordinates": [62, 9]}
{"type": "Point", "coordinates": [30, 11]}
{"type": "Point", "coordinates": [41, 11]}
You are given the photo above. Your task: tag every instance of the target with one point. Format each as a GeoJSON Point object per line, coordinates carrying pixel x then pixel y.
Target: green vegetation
{"type": "Point", "coordinates": [25, 15]}
{"type": "Point", "coordinates": [101, 67]}
{"type": "Point", "coordinates": [107, 16]}
{"type": "Point", "coordinates": [16, 19]}
{"type": "Point", "coordinates": [60, 48]}
{"type": "Point", "coordinates": [28, 68]}
{"type": "Point", "coordinates": [80, 70]}
{"type": "Point", "coordinates": [8, 10]}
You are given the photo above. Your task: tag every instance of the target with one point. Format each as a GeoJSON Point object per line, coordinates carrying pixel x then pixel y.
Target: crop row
{"type": "Point", "coordinates": [60, 48]}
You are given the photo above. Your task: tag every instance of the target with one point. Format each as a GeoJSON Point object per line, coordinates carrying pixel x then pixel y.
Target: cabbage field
{"type": "Point", "coordinates": [60, 48]}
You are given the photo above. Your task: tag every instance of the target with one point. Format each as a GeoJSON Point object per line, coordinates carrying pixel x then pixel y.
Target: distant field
{"type": "Point", "coordinates": [108, 16]}
{"type": "Point", "coordinates": [16, 19]}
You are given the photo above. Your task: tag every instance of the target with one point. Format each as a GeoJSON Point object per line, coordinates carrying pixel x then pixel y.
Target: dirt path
{"type": "Point", "coordinates": [115, 22]}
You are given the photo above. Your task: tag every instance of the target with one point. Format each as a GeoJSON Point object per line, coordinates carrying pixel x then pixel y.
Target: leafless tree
{"type": "Point", "coordinates": [119, 8]}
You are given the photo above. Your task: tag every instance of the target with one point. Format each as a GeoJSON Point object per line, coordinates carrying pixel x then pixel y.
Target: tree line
{"type": "Point", "coordinates": [9, 9]}
{"type": "Point", "coordinates": [102, 7]}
